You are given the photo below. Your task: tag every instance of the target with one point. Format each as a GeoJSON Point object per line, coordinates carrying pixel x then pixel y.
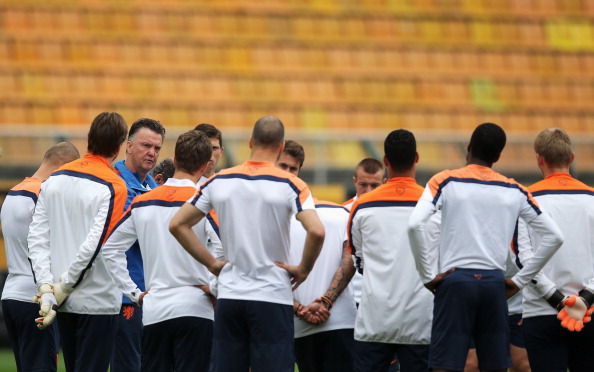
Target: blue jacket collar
{"type": "Point", "coordinates": [132, 179]}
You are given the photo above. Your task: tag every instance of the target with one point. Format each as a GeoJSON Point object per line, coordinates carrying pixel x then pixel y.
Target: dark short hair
{"type": "Point", "coordinates": [211, 131]}
{"type": "Point", "coordinates": [108, 131]}
{"type": "Point", "coordinates": [487, 142]}
{"type": "Point", "coordinates": [193, 150]}
{"type": "Point", "coordinates": [400, 148]}
{"type": "Point", "coordinates": [369, 165]}
{"type": "Point", "coordinates": [295, 150]}
{"type": "Point", "coordinates": [151, 124]}
{"type": "Point", "coordinates": [165, 167]}
{"type": "Point", "coordinates": [269, 131]}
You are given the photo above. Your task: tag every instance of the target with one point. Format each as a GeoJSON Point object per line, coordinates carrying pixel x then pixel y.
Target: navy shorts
{"type": "Point", "coordinates": [379, 356]}
{"type": "Point", "coordinates": [34, 349]}
{"type": "Point", "coordinates": [470, 304]}
{"type": "Point", "coordinates": [329, 351]}
{"type": "Point", "coordinates": [516, 332]}
{"type": "Point", "coordinates": [552, 348]}
{"type": "Point", "coordinates": [87, 340]}
{"type": "Point", "coordinates": [126, 350]}
{"type": "Point", "coordinates": [253, 333]}
{"type": "Point", "coordinates": [179, 344]}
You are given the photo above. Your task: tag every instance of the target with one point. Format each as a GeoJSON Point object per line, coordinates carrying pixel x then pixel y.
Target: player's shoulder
{"type": "Point", "coordinates": [325, 204]}
{"type": "Point", "coordinates": [167, 193]}
{"type": "Point", "coordinates": [560, 183]}
{"type": "Point", "coordinates": [29, 184]}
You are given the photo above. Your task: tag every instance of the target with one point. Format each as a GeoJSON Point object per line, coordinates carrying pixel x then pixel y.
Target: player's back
{"type": "Point", "coordinates": [171, 273]}
{"type": "Point", "coordinates": [74, 199]}
{"type": "Point", "coordinates": [395, 307]}
{"type": "Point", "coordinates": [480, 208]}
{"type": "Point", "coordinates": [17, 209]}
{"type": "Point", "coordinates": [570, 203]}
{"type": "Point", "coordinates": [254, 203]}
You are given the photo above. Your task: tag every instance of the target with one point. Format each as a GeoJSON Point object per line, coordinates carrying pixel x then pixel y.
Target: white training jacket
{"type": "Point", "coordinates": [77, 207]}
{"type": "Point", "coordinates": [395, 307]}
{"type": "Point", "coordinates": [254, 203]}
{"type": "Point", "coordinates": [171, 274]}
{"type": "Point", "coordinates": [17, 212]}
{"type": "Point", "coordinates": [570, 203]}
{"type": "Point", "coordinates": [342, 315]}
{"type": "Point", "coordinates": [480, 208]}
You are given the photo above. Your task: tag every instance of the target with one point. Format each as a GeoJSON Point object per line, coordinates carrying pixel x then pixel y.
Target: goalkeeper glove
{"type": "Point", "coordinates": [49, 299]}
{"type": "Point", "coordinates": [577, 310]}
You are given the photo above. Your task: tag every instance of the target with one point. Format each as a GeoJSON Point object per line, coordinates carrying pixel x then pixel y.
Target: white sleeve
{"type": "Point", "coordinates": [419, 244]}
{"type": "Point", "coordinates": [215, 246]}
{"type": "Point", "coordinates": [114, 254]}
{"type": "Point", "coordinates": [39, 244]}
{"type": "Point", "coordinates": [433, 234]}
{"type": "Point", "coordinates": [356, 242]}
{"type": "Point", "coordinates": [541, 284]}
{"type": "Point", "coordinates": [551, 240]}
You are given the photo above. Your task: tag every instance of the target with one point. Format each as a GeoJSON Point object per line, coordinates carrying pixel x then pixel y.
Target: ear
{"type": "Point", "coordinates": [386, 162]}
{"type": "Point", "coordinates": [571, 159]}
{"type": "Point", "coordinates": [128, 146]}
{"type": "Point", "coordinates": [251, 143]}
{"type": "Point", "coordinates": [282, 148]}
{"type": "Point", "coordinates": [416, 157]}
{"type": "Point", "coordinates": [158, 178]}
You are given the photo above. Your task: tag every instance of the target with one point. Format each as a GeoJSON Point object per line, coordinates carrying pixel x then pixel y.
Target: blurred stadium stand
{"type": "Point", "coordinates": [339, 73]}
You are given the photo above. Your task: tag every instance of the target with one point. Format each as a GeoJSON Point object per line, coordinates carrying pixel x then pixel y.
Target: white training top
{"type": "Point", "coordinates": [395, 307]}
{"type": "Point", "coordinates": [570, 203]}
{"type": "Point", "coordinates": [480, 208]}
{"type": "Point", "coordinates": [170, 272]}
{"type": "Point", "coordinates": [16, 215]}
{"type": "Point", "coordinates": [357, 281]}
{"type": "Point", "coordinates": [77, 207]}
{"type": "Point", "coordinates": [342, 315]}
{"type": "Point", "coordinates": [254, 203]}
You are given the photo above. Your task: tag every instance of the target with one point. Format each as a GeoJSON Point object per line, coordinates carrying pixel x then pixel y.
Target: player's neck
{"type": "Point", "coordinates": [264, 155]}
{"type": "Point", "coordinates": [181, 175]}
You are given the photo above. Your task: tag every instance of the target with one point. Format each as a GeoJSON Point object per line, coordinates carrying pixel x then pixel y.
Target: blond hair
{"type": "Point", "coordinates": [554, 145]}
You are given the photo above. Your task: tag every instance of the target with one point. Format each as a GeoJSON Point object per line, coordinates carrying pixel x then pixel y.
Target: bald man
{"type": "Point", "coordinates": [33, 350]}
{"type": "Point", "coordinates": [254, 202]}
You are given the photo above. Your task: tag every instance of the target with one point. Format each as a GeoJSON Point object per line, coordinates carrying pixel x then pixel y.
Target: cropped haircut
{"type": "Point", "coordinates": [108, 131]}
{"type": "Point", "coordinates": [268, 132]}
{"type": "Point", "coordinates": [554, 145]}
{"type": "Point", "coordinates": [165, 167]}
{"type": "Point", "coordinates": [400, 148]}
{"type": "Point", "coordinates": [151, 124]}
{"type": "Point", "coordinates": [487, 142]}
{"type": "Point", "coordinates": [369, 165]}
{"type": "Point", "coordinates": [211, 131]}
{"type": "Point", "coordinates": [61, 153]}
{"type": "Point", "coordinates": [193, 150]}
{"type": "Point", "coordinates": [295, 150]}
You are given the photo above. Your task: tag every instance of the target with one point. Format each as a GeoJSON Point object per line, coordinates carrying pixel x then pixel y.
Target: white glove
{"type": "Point", "coordinates": [49, 298]}
{"type": "Point", "coordinates": [61, 292]}
{"type": "Point", "coordinates": [47, 305]}
{"type": "Point", "coordinates": [47, 311]}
